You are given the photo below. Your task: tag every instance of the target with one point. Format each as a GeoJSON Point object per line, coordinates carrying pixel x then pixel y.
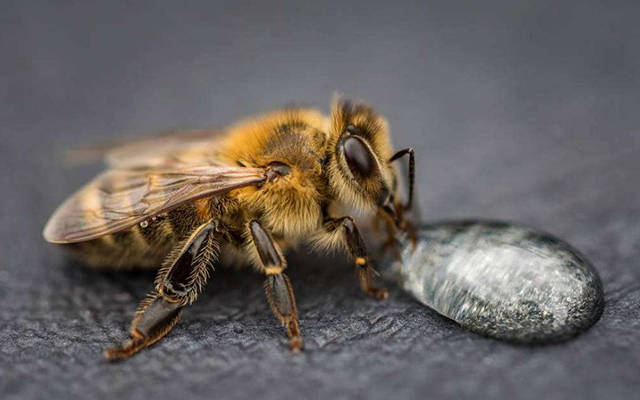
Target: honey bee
{"type": "Point", "coordinates": [261, 186]}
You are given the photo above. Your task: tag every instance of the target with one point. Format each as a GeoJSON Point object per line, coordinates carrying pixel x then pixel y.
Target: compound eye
{"type": "Point", "coordinates": [358, 156]}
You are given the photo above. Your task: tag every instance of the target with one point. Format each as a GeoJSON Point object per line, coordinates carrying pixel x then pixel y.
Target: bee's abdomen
{"type": "Point", "coordinates": [142, 246]}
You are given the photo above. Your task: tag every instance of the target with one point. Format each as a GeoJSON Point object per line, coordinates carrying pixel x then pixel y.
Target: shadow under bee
{"type": "Point", "coordinates": [321, 274]}
{"type": "Point", "coordinates": [326, 280]}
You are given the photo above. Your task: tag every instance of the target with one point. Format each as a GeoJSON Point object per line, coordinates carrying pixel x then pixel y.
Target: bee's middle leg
{"type": "Point", "coordinates": [178, 284]}
{"type": "Point", "coordinates": [277, 285]}
{"type": "Point", "coordinates": [358, 252]}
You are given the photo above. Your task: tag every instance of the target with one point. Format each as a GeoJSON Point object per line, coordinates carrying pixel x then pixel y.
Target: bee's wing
{"type": "Point", "coordinates": [152, 151]}
{"type": "Point", "coordinates": [120, 198]}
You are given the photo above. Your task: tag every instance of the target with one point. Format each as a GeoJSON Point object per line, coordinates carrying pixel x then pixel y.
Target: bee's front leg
{"type": "Point", "coordinates": [358, 251]}
{"type": "Point", "coordinates": [390, 241]}
{"type": "Point", "coordinates": [277, 285]}
{"type": "Point", "coordinates": [178, 284]}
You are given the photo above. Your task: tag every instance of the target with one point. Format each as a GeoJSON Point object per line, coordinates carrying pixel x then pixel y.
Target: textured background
{"type": "Point", "coordinates": [525, 111]}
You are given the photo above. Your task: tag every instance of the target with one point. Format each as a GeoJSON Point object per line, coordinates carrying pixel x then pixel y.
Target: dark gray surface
{"type": "Point", "coordinates": [518, 111]}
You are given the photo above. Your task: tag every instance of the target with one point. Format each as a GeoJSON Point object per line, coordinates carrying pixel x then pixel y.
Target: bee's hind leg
{"type": "Point", "coordinates": [154, 318]}
{"type": "Point", "coordinates": [178, 284]}
{"type": "Point", "coordinates": [277, 285]}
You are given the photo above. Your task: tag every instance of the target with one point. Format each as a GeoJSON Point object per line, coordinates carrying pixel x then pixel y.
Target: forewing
{"type": "Point", "coordinates": [119, 199]}
{"type": "Point", "coordinates": [167, 148]}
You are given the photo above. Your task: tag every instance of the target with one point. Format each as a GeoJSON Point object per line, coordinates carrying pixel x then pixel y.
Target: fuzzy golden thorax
{"type": "Point", "coordinates": [357, 126]}
{"type": "Point", "coordinates": [289, 205]}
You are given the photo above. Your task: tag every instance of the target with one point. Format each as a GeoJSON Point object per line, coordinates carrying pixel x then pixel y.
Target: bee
{"type": "Point", "coordinates": [182, 203]}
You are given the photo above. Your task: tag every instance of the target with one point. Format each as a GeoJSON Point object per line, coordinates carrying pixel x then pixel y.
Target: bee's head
{"type": "Point", "coordinates": [360, 170]}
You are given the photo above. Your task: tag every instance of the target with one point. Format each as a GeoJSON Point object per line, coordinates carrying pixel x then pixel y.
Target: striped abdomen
{"type": "Point", "coordinates": [144, 245]}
